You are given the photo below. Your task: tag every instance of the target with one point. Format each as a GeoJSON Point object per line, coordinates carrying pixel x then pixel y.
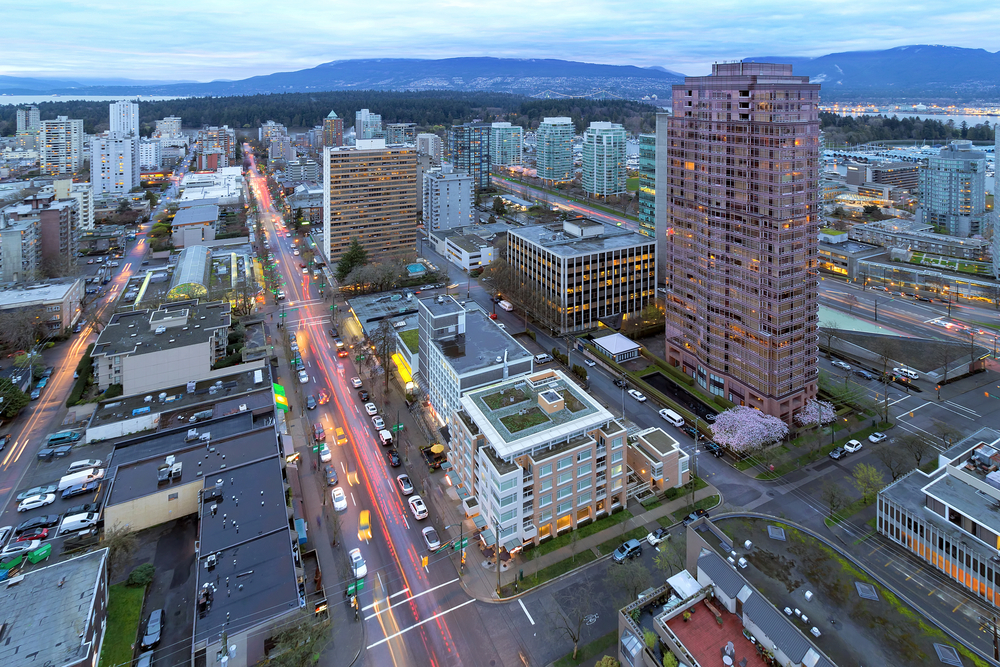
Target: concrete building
{"type": "Point", "coordinates": [147, 350]}
{"type": "Point", "coordinates": [62, 612]}
{"type": "Point", "coordinates": [303, 169]}
{"type": "Point", "coordinates": [469, 151]}
{"type": "Point", "coordinates": [225, 186]}
{"type": "Point", "coordinates": [29, 120]}
{"type": "Point", "coordinates": [83, 193]}
{"type": "Point", "coordinates": [741, 251]}
{"type": "Point", "coordinates": [905, 175]}
{"type": "Point", "coordinates": [604, 159]}
{"type": "Point", "coordinates": [461, 349]}
{"type": "Point", "coordinates": [618, 347]}
{"type": "Point", "coordinates": [646, 196]}
{"type": "Point", "coordinates": [280, 149]}
{"type": "Point", "coordinates": [554, 150]}
{"type": "Point", "coordinates": [400, 133]}
{"type": "Point", "coordinates": [59, 302]}
{"type": "Point", "coordinates": [150, 154]}
{"type": "Point", "coordinates": [369, 193]}
{"type": "Point", "coordinates": [308, 199]}
{"type": "Point", "coordinates": [124, 118]}
{"type": "Point", "coordinates": [914, 236]}
{"type": "Point", "coordinates": [60, 146]}
{"type": "Point", "coordinates": [953, 190]}
{"type": "Point", "coordinates": [195, 225]}
{"type": "Point", "coordinates": [219, 141]}
{"type": "Point", "coordinates": [430, 144]}
{"type": "Point", "coordinates": [469, 251]}
{"type": "Point", "coordinates": [367, 125]}
{"type": "Point", "coordinates": [57, 230]}
{"type": "Point", "coordinates": [20, 249]}
{"type": "Point", "coordinates": [269, 131]}
{"type": "Point", "coordinates": [448, 198]}
{"type": "Point", "coordinates": [583, 270]}
{"type": "Point", "coordinates": [168, 128]}
{"type": "Point", "coordinates": [540, 456]}
{"type": "Point", "coordinates": [114, 163]}
{"type": "Point", "coordinates": [506, 144]}
{"type": "Point", "coordinates": [333, 130]}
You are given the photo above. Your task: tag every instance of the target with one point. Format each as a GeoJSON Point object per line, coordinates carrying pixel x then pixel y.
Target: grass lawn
{"type": "Point", "coordinates": [533, 417]}
{"type": "Point", "coordinates": [551, 572]}
{"type": "Point", "coordinates": [124, 611]}
{"type": "Point", "coordinates": [632, 184]}
{"type": "Point", "coordinates": [572, 403]}
{"type": "Point", "coordinates": [703, 504]}
{"type": "Point", "coordinates": [509, 396]}
{"type": "Point", "coordinates": [582, 532]}
{"type": "Point", "coordinates": [615, 542]}
{"type": "Point", "coordinates": [847, 512]}
{"type": "Point", "coordinates": [587, 651]}
{"type": "Point", "coordinates": [794, 464]}
{"type": "Point", "coordinates": [411, 338]}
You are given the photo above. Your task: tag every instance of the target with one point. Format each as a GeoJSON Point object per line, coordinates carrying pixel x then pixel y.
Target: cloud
{"type": "Point", "coordinates": [210, 39]}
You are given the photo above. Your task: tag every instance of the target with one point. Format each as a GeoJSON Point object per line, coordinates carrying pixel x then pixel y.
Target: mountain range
{"type": "Point", "coordinates": [902, 72]}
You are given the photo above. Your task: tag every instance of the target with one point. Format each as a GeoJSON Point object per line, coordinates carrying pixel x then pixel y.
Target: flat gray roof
{"type": "Point", "coordinates": [48, 610]}
{"type": "Point", "coordinates": [556, 241]}
{"type": "Point", "coordinates": [135, 332]}
{"type": "Point", "coordinates": [135, 448]}
{"type": "Point", "coordinates": [371, 309]}
{"type": "Point", "coordinates": [199, 214]}
{"type": "Point", "coordinates": [258, 507]}
{"type": "Point", "coordinates": [36, 294]}
{"type": "Point", "coordinates": [481, 344]}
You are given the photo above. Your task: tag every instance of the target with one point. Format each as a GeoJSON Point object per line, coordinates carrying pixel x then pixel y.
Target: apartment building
{"type": "Point", "coordinates": [646, 196]}
{"type": "Point", "coordinates": [905, 175]}
{"type": "Point", "coordinates": [114, 163]}
{"type": "Point", "coordinates": [124, 117]}
{"type": "Point", "coordinates": [506, 144]}
{"type": "Point", "coordinates": [953, 190]}
{"type": "Point", "coordinates": [367, 125]}
{"type": "Point", "coordinates": [303, 169]}
{"type": "Point", "coordinates": [539, 454]}
{"type": "Point", "coordinates": [369, 193]}
{"type": "Point", "coordinates": [554, 150]}
{"type": "Point", "coordinates": [333, 130]}
{"type": "Point", "coordinates": [604, 172]}
{"type": "Point", "coordinates": [83, 193]}
{"type": "Point", "coordinates": [448, 198]}
{"type": "Point", "coordinates": [60, 146]}
{"type": "Point", "coordinates": [150, 154]}
{"type": "Point", "coordinates": [581, 270]}
{"type": "Point", "coordinates": [20, 249]}
{"type": "Point", "coordinates": [919, 237]}
{"type": "Point", "coordinates": [469, 151]}
{"type": "Point", "coordinates": [58, 303]}
{"type": "Point", "coordinates": [57, 230]}
{"type": "Point", "coordinates": [739, 174]}
{"type": "Point", "coordinates": [29, 120]}
{"type": "Point", "coordinates": [168, 128]}
{"type": "Point", "coordinates": [430, 144]}
{"type": "Point", "coordinates": [220, 141]}
{"type": "Point", "coordinates": [461, 349]}
{"type": "Point", "coordinates": [400, 133]}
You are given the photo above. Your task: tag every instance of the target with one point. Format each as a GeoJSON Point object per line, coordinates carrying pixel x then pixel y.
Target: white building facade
{"type": "Point", "coordinates": [60, 146]}
{"type": "Point", "coordinates": [367, 125]}
{"type": "Point", "coordinates": [150, 154]}
{"type": "Point", "coordinates": [448, 199]}
{"type": "Point", "coordinates": [604, 159]}
{"type": "Point", "coordinates": [554, 149]}
{"type": "Point", "coordinates": [430, 144]}
{"type": "Point", "coordinates": [114, 163]}
{"type": "Point", "coordinates": [125, 118]}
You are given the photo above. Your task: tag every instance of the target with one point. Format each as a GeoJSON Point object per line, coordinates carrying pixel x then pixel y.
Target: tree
{"type": "Point", "coordinates": [885, 348]}
{"type": "Point", "coordinates": [834, 497]}
{"type": "Point", "coordinates": [14, 400]}
{"type": "Point", "coordinates": [868, 480]}
{"type": "Point", "coordinates": [21, 328]}
{"type": "Point", "coordinates": [914, 445]}
{"type": "Point", "coordinates": [895, 461]}
{"type": "Point", "coordinates": [852, 301]}
{"type": "Point", "coordinates": [121, 544]}
{"type": "Point", "coordinates": [384, 341]}
{"type": "Point", "coordinates": [816, 412]}
{"type": "Point", "coordinates": [828, 331]}
{"type": "Point", "coordinates": [355, 256]}
{"type": "Point", "coordinates": [671, 557]}
{"type": "Point", "coordinates": [244, 296]}
{"type": "Point", "coordinates": [627, 580]}
{"type": "Point", "coordinates": [949, 434]}
{"type": "Point", "coordinates": [299, 643]}
{"type": "Point", "coordinates": [499, 207]}
{"type": "Point", "coordinates": [608, 661]}
{"type": "Point", "coordinates": [743, 429]}
{"type": "Point", "coordinates": [123, 205]}
{"type": "Point", "coordinates": [570, 615]}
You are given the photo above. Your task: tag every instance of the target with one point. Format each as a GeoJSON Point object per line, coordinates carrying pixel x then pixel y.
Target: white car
{"type": "Point", "coordinates": [841, 364]}
{"type": "Point", "coordinates": [906, 372]}
{"type": "Point", "coordinates": [877, 437]}
{"type": "Point", "coordinates": [378, 422]}
{"type": "Point", "coordinates": [339, 499]}
{"type": "Point", "coordinates": [431, 538]}
{"type": "Point", "coordinates": [21, 547]}
{"type": "Point", "coordinates": [405, 485]}
{"type": "Point", "coordinates": [303, 377]}
{"type": "Point", "coordinates": [590, 362]}
{"type": "Point", "coordinates": [637, 395]}
{"type": "Point", "coordinates": [371, 409]}
{"type": "Point", "coordinates": [358, 564]}
{"type": "Point", "coordinates": [295, 252]}
{"type": "Point", "coordinates": [356, 383]}
{"type": "Point", "coordinates": [325, 455]}
{"type": "Point", "coordinates": [417, 507]}
{"type": "Point", "coordinates": [853, 446]}
{"type": "Point", "coordinates": [34, 502]}
{"type": "Point", "coordinates": [657, 536]}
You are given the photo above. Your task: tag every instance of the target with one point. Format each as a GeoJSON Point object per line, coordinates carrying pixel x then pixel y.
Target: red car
{"type": "Point", "coordinates": [36, 534]}
{"type": "Point", "coordinates": [323, 397]}
{"type": "Point", "coordinates": [342, 352]}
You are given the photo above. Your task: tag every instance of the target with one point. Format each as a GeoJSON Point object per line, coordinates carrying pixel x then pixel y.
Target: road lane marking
{"type": "Point", "coordinates": [962, 407]}
{"type": "Point", "coordinates": [957, 606]}
{"type": "Point", "coordinates": [417, 625]}
{"type": "Point", "coordinates": [396, 595]}
{"type": "Point", "coordinates": [412, 597]}
{"type": "Point", "coordinates": [353, 501]}
{"type": "Point", "coordinates": [525, 610]}
{"type": "Point", "coordinates": [933, 590]}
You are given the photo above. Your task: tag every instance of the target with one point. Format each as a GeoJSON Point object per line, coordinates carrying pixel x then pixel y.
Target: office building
{"type": "Point", "coordinates": [150, 154]}
{"type": "Point", "coordinates": [400, 133]}
{"type": "Point", "coordinates": [539, 454]}
{"type": "Point", "coordinates": [60, 146]}
{"type": "Point", "coordinates": [506, 144]}
{"type": "Point", "coordinates": [646, 196]}
{"type": "Point", "coordinates": [430, 144]}
{"type": "Point", "coordinates": [953, 190]}
{"type": "Point", "coordinates": [448, 198]}
{"type": "Point", "coordinates": [461, 350]}
{"type": "Point", "coordinates": [29, 121]}
{"type": "Point", "coordinates": [581, 271]}
{"type": "Point", "coordinates": [303, 169]}
{"type": "Point", "coordinates": [20, 250]}
{"type": "Point", "coordinates": [905, 175]}
{"type": "Point", "coordinates": [114, 163]}
{"type": "Point", "coordinates": [739, 173]}
{"type": "Point", "coordinates": [333, 130]}
{"type": "Point", "coordinates": [367, 125]}
{"type": "Point", "coordinates": [194, 225]}
{"type": "Point", "coordinates": [554, 150]}
{"type": "Point", "coordinates": [168, 128]}
{"type": "Point", "coordinates": [58, 303]}
{"type": "Point", "coordinates": [369, 193]}
{"type": "Point", "coordinates": [146, 350]}
{"type": "Point", "coordinates": [469, 151]}
{"type": "Point", "coordinates": [604, 159]}
{"type": "Point", "coordinates": [279, 148]}
{"type": "Point", "coordinates": [125, 118]}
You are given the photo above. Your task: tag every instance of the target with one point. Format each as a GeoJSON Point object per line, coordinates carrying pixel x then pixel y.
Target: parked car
{"type": "Point", "coordinates": [310, 402]}
{"type": "Point", "coordinates": [405, 486]}
{"type": "Point", "coordinates": [343, 353]}
{"type": "Point", "coordinates": [431, 538]}
{"type": "Point", "coordinates": [393, 457]}
{"type": "Point", "coordinates": [657, 536]}
{"type": "Point", "coordinates": [838, 454]}
{"type": "Point", "coordinates": [303, 377]}
{"type": "Point", "coordinates": [15, 548]}
{"type": "Point", "coordinates": [590, 362]}
{"type": "Point", "coordinates": [363, 394]}
{"type": "Point", "coordinates": [906, 372]}
{"type": "Point", "coordinates": [36, 490]}
{"type": "Point", "coordinates": [339, 499]}
{"type": "Point", "coordinates": [714, 449]}
{"type": "Point", "coordinates": [877, 437]}
{"type": "Point", "coordinates": [44, 521]}
{"type": "Point", "coordinates": [152, 629]}
{"type": "Point", "coordinates": [694, 516]}
{"type": "Point", "coordinates": [78, 490]}
{"type": "Point", "coordinates": [86, 508]}
{"type": "Point", "coordinates": [637, 395]}
{"type": "Point", "coordinates": [325, 455]}
{"type": "Point", "coordinates": [621, 383]}
{"type": "Point", "coordinates": [378, 422]}
{"type": "Point", "coordinates": [356, 382]}
{"type": "Point", "coordinates": [333, 332]}
{"type": "Point", "coordinates": [864, 374]}
{"type": "Point", "coordinates": [34, 502]}
{"type": "Point", "coordinates": [318, 432]}
{"type": "Point", "coordinates": [371, 409]}
{"type": "Point", "coordinates": [36, 534]}
{"type": "Point", "coordinates": [417, 507]}
{"type": "Point", "coordinates": [629, 549]}
{"type": "Point", "coordinates": [841, 364]}
{"type": "Point", "coordinates": [852, 446]}
{"type": "Point", "coordinates": [86, 464]}
{"type": "Point", "coordinates": [358, 565]}
{"type": "Point", "coordinates": [331, 475]}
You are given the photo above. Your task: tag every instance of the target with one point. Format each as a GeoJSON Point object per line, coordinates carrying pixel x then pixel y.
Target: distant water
{"type": "Point", "coordinates": [944, 118]}
{"type": "Point", "coordinates": [69, 97]}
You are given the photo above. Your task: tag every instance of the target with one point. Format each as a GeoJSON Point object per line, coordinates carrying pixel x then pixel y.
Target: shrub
{"type": "Point", "coordinates": [670, 660]}
{"type": "Point", "coordinates": [649, 637]}
{"type": "Point", "coordinates": [113, 391]}
{"type": "Point", "coordinates": [142, 575]}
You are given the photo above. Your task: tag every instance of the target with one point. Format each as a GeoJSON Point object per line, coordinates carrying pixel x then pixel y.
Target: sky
{"type": "Point", "coordinates": [210, 39]}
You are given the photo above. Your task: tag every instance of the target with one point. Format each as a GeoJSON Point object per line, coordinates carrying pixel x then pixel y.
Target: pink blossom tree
{"type": "Point", "coordinates": [743, 430]}
{"type": "Point", "coordinates": [815, 412]}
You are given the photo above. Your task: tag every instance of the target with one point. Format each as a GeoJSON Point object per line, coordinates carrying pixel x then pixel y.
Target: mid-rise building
{"type": "Point", "coordinates": [280, 148]}
{"type": "Point", "coordinates": [83, 193]}
{"type": "Point", "coordinates": [57, 303]}
{"type": "Point", "coordinates": [430, 144]}
{"type": "Point", "coordinates": [168, 128]}
{"type": "Point", "coordinates": [580, 271]}
{"type": "Point", "coordinates": [150, 154]}
{"type": "Point", "coordinates": [554, 150]}
{"type": "Point", "coordinates": [220, 141]}
{"type": "Point", "coordinates": [303, 169]}
{"type": "Point", "coordinates": [646, 195]}
{"type": "Point", "coordinates": [124, 117]}
{"type": "Point", "coordinates": [469, 151]}
{"type": "Point", "coordinates": [29, 120]}
{"type": "Point", "coordinates": [400, 133]}
{"type": "Point", "coordinates": [604, 172]}
{"type": "Point", "coordinates": [114, 163]}
{"type": "Point", "coordinates": [953, 189]}
{"type": "Point", "coordinates": [194, 225]}
{"type": "Point", "coordinates": [905, 175]}
{"type": "Point", "coordinates": [60, 146]}
{"type": "Point", "coordinates": [461, 350]}
{"type": "Point", "coordinates": [57, 231]}
{"type": "Point", "coordinates": [367, 125]}
{"type": "Point", "coordinates": [333, 130]}
{"type": "Point", "coordinates": [506, 144]}
{"type": "Point", "coordinates": [369, 193]}
{"type": "Point", "coordinates": [448, 198]}
{"type": "Point", "coordinates": [20, 250]}
{"type": "Point", "coordinates": [741, 252]}
{"type": "Point", "coordinates": [270, 130]}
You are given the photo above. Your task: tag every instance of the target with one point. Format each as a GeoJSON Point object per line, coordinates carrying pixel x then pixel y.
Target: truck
{"type": "Point", "coordinates": [506, 305]}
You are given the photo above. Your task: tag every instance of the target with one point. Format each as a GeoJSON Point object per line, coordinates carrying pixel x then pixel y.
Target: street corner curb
{"type": "Point", "coordinates": [562, 576]}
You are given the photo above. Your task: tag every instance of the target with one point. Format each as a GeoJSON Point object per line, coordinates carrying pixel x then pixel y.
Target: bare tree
{"type": "Point", "coordinates": [852, 301]}
{"type": "Point", "coordinates": [572, 612]}
{"type": "Point", "coordinates": [915, 446]}
{"type": "Point", "coordinates": [299, 643]}
{"type": "Point", "coordinates": [384, 340]}
{"type": "Point", "coordinates": [121, 544]}
{"type": "Point", "coordinates": [827, 330]}
{"type": "Point", "coordinates": [895, 461]}
{"type": "Point", "coordinates": [834, 496]}
{"type": "Point", "coordinates": [671, 558]}
{"type": "Point", "coordinates": [949, 434]}
{"type": "Point", "coordinates": [21, 328]}
{"type": "Point", "coordinates": [627, 580]}
{"type": "Point", "coordinates": [885, 348]}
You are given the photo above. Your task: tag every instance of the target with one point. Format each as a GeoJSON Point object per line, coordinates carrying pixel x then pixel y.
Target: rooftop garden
{"type": "Point", "coordinates": [518, 421]}
{"type": "Point", "coordinates": [573, 404]}
{"type": "Point", "coordinates": [507, 397]}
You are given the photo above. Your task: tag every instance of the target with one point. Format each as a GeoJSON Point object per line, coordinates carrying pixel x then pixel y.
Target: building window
{"type": "Point", "coordinates": [584, 455]}
{"type": "Point", "coordinates": [684, 465]}
{"type": "Point", "coordinates": [564, 492]}
{"type": "Point", "coordinates": [546, 485]}
{"type": "Point", "coordinates": [545, 500]}
{"type": "Point", "coordinates": [583, 470]}
{"type": "Point", "coordinates": [545, 516]}
{"type": "Point", "coordinates": [583, 499]}
{"type": "Point", "coordinates": [565, 477]}
{"type": "Point", "coordinates": [616, 470]}
{"type": "Point", "coordinates": [583, 484]}
{"type": "Point", "coordinates": [507, 500]}
{"type": "Point", "coordinates": [565, 463]}
{"type": "Point", "coordinates": [717, 385]}
{"type": "Point", "coordinates": [564, 507]}
{"type": "Point", "coordinates": [507, 516]}
{"type": "Point", "coordinates": [616, 456]}
{"type": "Point", "coordinates": [616, 443]}
{"type": "Point", "coordinates": [507, 485]}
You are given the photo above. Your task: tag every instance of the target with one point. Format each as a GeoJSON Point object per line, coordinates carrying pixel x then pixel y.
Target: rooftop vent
{"type": "Point", "coordinates": [147, 399]}
{"type": "Point", "coordinates": [192, 434]}
{"type": "Point", "coordinates": [160, 330]}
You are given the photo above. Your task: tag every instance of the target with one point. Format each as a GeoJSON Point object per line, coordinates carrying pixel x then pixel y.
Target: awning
{"type": "Point", "coordinates": [446, 465]}
{"type": "Point", "coordinates": [453, 477]}
{"type": "Point", "coordinates": [488, 537]}
{"type": "Point", "coordinates": [463, 493]}
{"type": "Point", "coordinates": [512, 544]}
{"type": "Point", "coordinates": [479, 521]}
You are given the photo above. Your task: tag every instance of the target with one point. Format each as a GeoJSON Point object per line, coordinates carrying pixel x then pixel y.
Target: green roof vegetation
{"type": "Point", "coordinates": [518, 422]}
{"type": "Point", "coordinates": [411, 339]}
{"type": "Point", "coordinates": [832, 232]}
{"type": "Point", "coordinates": [508, 396]}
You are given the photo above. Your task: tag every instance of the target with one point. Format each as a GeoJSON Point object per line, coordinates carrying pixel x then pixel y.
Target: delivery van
{"type": "Point", "coordinates": [82, 477]}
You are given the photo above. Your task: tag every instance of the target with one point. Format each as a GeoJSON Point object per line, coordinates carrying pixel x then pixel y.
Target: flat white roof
{"type": "Point", "coordinates": [616, 344]}
{"type": "Point", "coordinates": [36, 294]}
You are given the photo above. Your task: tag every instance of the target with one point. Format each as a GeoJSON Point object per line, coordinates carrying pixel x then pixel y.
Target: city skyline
{"type": "Point", "coordinates": [681, 38]}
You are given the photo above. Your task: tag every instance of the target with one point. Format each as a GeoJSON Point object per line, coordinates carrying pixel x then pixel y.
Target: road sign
{"type": "Point", "coordinates": [396, 428]}
{"type": "Point", "coordinates": [461, 544]}
{"type": "Point", "coordinates": [356, 587]}
{"type": "Point", "coordinates": [316, 448]}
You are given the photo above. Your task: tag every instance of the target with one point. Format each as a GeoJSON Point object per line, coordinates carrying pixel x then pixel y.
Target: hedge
{"type": "Point", "coordinates": [83, 370]}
